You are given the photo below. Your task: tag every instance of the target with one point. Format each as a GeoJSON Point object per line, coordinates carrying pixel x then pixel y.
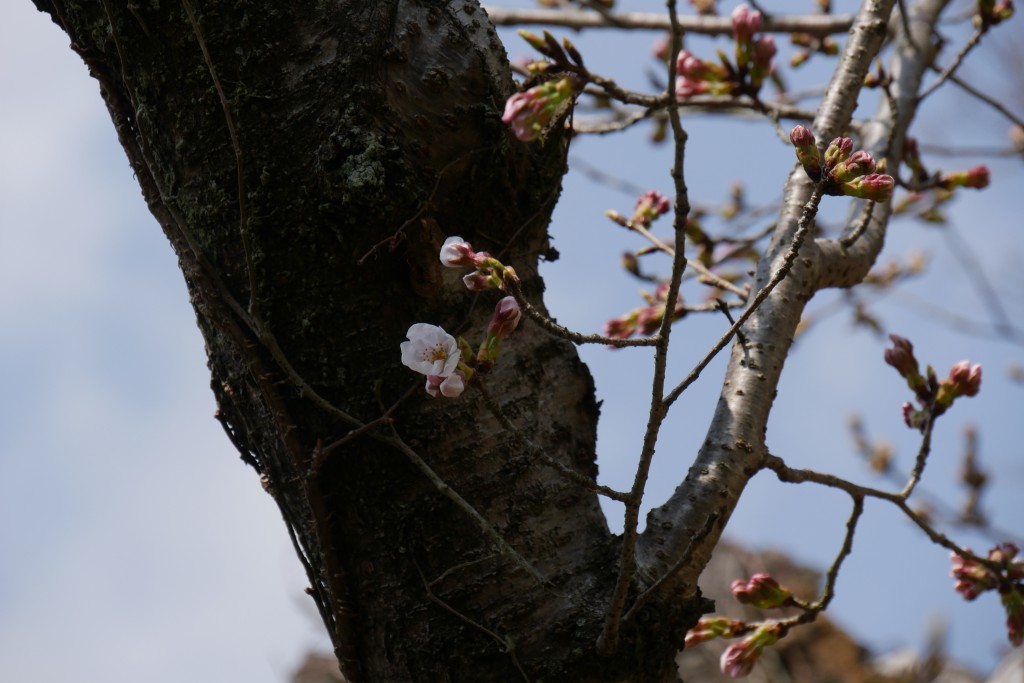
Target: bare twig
{"type": "Point", "coordinates": [815, 24]}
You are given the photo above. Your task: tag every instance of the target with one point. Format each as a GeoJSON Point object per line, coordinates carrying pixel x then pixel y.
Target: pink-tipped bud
{"type": "Point", "coordinates": [506, 318]}
{"type": "Point", "coordinates": [857, 164]}
{"type": "Point", "coordinates": [837, 151]}
{"type": "Point", "coordinates": [874, 186]}
{"type": "Point", "coordinates": [739, 658]}
{"type": "Point", "coordinates": [477, 281]}
{"type": "Point", "coordinates": [457, 253]}
{"type": "Point", "coordinates": [977, 178]}
{"type": "Point", "coordinates": [745, 23]}
{"type": "Point", "coordinates": [806, 151]}
{"type": "Point", "coordinates": [972, 578]}
{"type": "Point", "coordinates": [901, 356]}
{"type": "Point", "coordinates": [650, 205]}
{"type": "Point", "coordinates": [963, 380]}
{"type": "Point", "coordinates": [762, 591]}
{"type": "Point", "coordinates": [449, 387]}
{"type": "Point", "coordinates": [691, 66]}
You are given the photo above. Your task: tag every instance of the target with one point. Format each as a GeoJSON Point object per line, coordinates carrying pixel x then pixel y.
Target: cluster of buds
{"type": "Point", "coordinates": [753, 62]}
{"type": "Point", "coordinates": [490, 273]}
{"type": "Point", "coordinates": [449, 363]}
{"type": "Point", "coordinates": [1003, 573]}
{"type": "Point", "coordinates": [934, 396]}
{"type": "Point", "coordinates": [842, 171]}
{"type": "Point", "coordinates": [991, 13]}
{"type": "Point", "coordinates": [738, 659]}
{"type": "Point", "coordinates": [650, 206]}
{"type": "Point", "coordinates": [647, 319]}
{"type": "Point", "coordinates": [530, 112]}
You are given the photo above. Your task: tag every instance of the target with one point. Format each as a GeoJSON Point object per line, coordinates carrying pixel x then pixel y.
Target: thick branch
{"type": "Point", "coordinates": [734, 448]}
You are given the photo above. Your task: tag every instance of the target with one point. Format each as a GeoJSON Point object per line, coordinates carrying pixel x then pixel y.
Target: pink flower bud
{"type": "Point", "coordinates": [806, 151]}
{"type": "Point", "coordinates": [688, 64]}
{"type": "Point", "coordinates": [764, 51]}
{"type": "Point", "coordinates": [762, 591]}
{"type": "Point", "coordinates": [972, 578]}
{"type": "Point", "coordinates": [963, 380]}
{"type": "Point", "coordinates": [739, 658]}
{"type": "Point", "coordinates": [745, 23]}
{"type": "Point", "coordinates": [449, 387]}
{"type": "Point", "coordinates": [620, 328]}
{"type": "Point", "coordinates": [457, 253]}
{"type": "Point", "coordinates": [477, 281]}
{"type": "Point", "coordinates": [874, 186]}
{"type": "Point", "coordinates": [901, 356]}
{"type": "Point", "coordinates": [650, 205]}
{"type": "Point", "coordinates": [857, 164]}
{"type": "Point", "coordinates": [530, 112]}
{"type": "Point", "coordinates": [506, 318]}
{"type": "Point", "coordinates": [838, 150]}
{"type": "Point", "coordinates": [977, 178]}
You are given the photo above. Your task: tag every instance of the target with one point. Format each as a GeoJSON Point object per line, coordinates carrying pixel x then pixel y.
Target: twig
{"type": "Point", "coordinates": [803, 229]}
{"type": "Point", "coordinates": [990, 101]}
{"type": "Point", "coordinates": [921, 460]}
{"type": "Point", "coordinates": [957, 61]}
{"type": "Point", "coordinates": [243, 212]}
{"type": "Point", "coordinates": [564, 332]}
{"type": "Point", "coordinates": [448, 492]}
{"type": "Point", "coordinates": [816, 24]}
{"type": "Point", "coordinates": [506, 643]}
{"type": "Point", "coordinates": [608, 641]}
{"type": "Point", "coordinates": [539, 452]}
{"type": "Point", "coordinates": [644, 597]}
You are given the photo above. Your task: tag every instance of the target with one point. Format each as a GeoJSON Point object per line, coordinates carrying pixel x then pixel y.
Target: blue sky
{"type": "Point", "coordinates": [135, 544]}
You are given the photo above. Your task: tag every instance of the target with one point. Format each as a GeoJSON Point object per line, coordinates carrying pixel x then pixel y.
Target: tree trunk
{"type": "Point", "coordinates": [306, 161]}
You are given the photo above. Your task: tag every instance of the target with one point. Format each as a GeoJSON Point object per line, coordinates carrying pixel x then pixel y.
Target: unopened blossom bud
{"type": "Point", "coordinates": [708, 628]}
{"type": "Point", "coordinates": [874, 186]}
{"type": "Point", "coordinates": [977, 178]}
{"type": "Point", "coordinates": [762, 591]}
{"type": "Point", "coordinates": [477, 281]}
{"type": "Point", "coordinates": [620, 328]}
{"type": "Point", "coordinates": [745, 23]}
{"type": "Point", "coordinates": [506, 318]}
{"type": "Point", "coordinates": [457, 253]}
{"type": "Point", "coordinates": [764, 51]}
{"type": "Point", "coordinates": [972, 578]}
{"type": "Point", "coordinates": [449, 387]}
{"type": "Point", "coordinates": [806, 151]}
{"type": "Point", "coordinates": [530, 112]}
{"type": "Point", "coordinates": [691, 66]}
{"type": "Point", "coordinates": [963, 380]}
{"type": "Point", "coordinates": [838, 150]}
{"type": "Point", "coordinates": [650, 205]}
{"type": "Point", "coordinates": [901, 356]}
{"type": "Point", "coordinates": [535, 41]}
{"type": "Point", "coordinates": [1003, 553]}
{"type": "Point", "coordinates": [857, 164]}
{"type": "Point", "coordinates": [739, 658]}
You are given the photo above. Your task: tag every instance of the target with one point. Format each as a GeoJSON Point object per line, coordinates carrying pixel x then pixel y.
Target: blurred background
{"type": "Point", "coordinates": [134, 544]}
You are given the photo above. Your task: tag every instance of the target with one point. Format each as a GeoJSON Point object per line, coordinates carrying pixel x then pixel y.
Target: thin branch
{"type": "Point", "coordinates": [644, 597]}
{"type": "Point", "coordinates": [554, 328]}
{"type": "Point", "coordinates": [608, 641]}
{"type": "Point", "coordinates": [815, 24]}
{"type": "Point", "coordinates": [971, 43]}
{"type": "Point", "coordinates": [243, 212]}
{"type": "Point", "coordinates": [803, 230]}
{"type": "Point", "coordinates": [448, 492]}
{"type": "Point", "coordinates": [506, 643]}
{"type": "Point", "coordinates": [921, 460]}
{"type": "Point", "coordinates": [539, 452]}
{"type": "Point", "coordinates": [990, 101]}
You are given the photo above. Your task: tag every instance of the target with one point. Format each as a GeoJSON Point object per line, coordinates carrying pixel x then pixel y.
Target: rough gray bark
{"type": "Point", "coordinates": [305, 162]}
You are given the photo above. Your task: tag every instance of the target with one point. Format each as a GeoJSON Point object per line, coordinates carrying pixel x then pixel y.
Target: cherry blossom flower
{"type": "Point", "coordinates": [430, 351]}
